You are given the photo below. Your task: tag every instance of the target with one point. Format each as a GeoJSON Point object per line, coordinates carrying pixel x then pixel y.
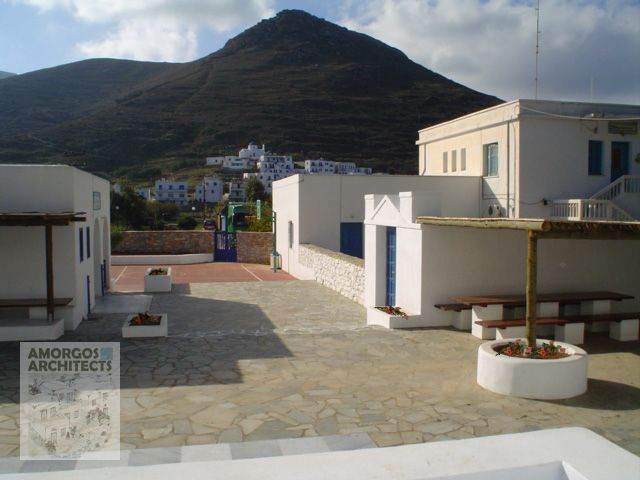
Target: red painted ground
{"type": "Point", "coordinates": [130, 278]}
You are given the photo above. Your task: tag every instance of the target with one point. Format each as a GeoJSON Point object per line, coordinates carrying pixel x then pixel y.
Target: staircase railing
{"type": "Point", "coordinates": [589, 210]}
{"type": "Point", "coordinates": [624, 184]}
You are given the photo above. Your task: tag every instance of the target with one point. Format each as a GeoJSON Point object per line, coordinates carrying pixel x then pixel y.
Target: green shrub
{"type": "Point", "coordinates": [116, 235]}
{"type": "Point", "coordinates": [187, 222]}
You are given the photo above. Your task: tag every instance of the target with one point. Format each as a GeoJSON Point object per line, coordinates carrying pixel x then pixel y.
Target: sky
{"type": "Point", "coordinates": [589, 49]}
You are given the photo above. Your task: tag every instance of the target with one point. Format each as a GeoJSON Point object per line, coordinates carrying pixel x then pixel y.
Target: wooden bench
{"type": "Point", "coordinates": [452, 307]}
{"type": "Point", "coordinates": [32, 302]}
{"type": "Point", "coordinates": [570, 328]}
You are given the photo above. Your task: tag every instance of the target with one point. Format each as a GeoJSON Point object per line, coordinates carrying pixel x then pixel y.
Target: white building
{"type": "Point", "coordinates": [540, 158]}
{"type": "Point", "coordinates": [245, 160]}
{"type": "Point", "coordinates": [76, 205]}
{"type": "Point", "coordinates": [328, 167]}
{"type": "Point", "coordinates": [209, 190]}
{"type": "Point", "coordinates": [237, 191]}
{"type": "Point", "coordinates": [219, 161]}
{"type": "Point", "coordinates": [523, 159]}
{"type": "Point", "coordinates": [171, 192]}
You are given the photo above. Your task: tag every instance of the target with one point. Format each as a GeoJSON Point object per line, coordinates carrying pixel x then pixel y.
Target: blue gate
{"type": "Point", "coordinates": [391, 266]}
{"type": "Point", "coordinates": [224, 247]}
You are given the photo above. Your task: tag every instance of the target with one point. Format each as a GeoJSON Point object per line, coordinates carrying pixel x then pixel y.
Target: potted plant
{"type": "Point", "coordinates": [388, 316]}
{"type": "Point", "coordinates": [157, 279]}
{"type": "Point", "coordinates": [145, 325]}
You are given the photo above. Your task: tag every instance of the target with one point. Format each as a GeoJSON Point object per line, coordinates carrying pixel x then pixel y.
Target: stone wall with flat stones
{"type": "Point", "coordinates": [337, 271]}
{"type": "Point", "coordinates": [165, 242]}
{"type": "Point", "coordinates": [254, 247]}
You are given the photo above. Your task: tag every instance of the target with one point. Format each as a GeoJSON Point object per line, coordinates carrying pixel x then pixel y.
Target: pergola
{"type": "Point", "coordinates": [542, 229]}
{"type": "Point", "coordinates": [48, 221]}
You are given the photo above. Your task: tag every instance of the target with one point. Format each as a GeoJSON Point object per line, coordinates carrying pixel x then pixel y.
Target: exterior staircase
{"type": "Point", "coordinates": [619, 202]}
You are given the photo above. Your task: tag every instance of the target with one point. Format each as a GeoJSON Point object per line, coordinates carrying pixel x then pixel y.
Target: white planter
{"type": "Point", "coordinates": [157, 283]}
{"type": "Point", "coordinates": [139, 331]}
{"type": "Point", "coordinates": [533, 378]}
{"type": "Point", "coordinates": [382, 319]}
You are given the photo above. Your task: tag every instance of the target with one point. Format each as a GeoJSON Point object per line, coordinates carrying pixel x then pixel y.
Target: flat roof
{"type": "Point", "coordinates": [545, 228]}
{"type": "Point", "coordinates": [29, 219]}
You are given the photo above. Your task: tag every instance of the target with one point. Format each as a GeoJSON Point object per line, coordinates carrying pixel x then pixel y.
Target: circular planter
{"type": "Point", "coordinates": [532, 378]}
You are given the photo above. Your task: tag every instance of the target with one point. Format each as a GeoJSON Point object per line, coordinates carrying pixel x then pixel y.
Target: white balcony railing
{"type": "Point", "coordinates": [624, 184]}
{"type": "Point", "coordinates": [589, 210]}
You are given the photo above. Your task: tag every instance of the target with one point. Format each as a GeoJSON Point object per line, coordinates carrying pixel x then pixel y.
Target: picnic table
{"type": "Point", "coordinates": [518, 300]}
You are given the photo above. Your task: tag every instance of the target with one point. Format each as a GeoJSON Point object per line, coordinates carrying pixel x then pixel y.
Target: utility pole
{"type": "Point", "coordinates": [537, 44]}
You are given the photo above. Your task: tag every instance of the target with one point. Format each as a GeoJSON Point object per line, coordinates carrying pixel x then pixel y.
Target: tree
{"type": "Point", "coordinates": [187, 222]}
{"type": "Point", "coordinates": [254, 190]}
{"type": "Point", "coordinates": [130, 210]}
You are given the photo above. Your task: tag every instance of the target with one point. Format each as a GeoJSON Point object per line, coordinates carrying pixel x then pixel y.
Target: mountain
{"type": "Point", "coordinates": [5, 74]}
{"type": "Point", "coordinates": [298, 83]}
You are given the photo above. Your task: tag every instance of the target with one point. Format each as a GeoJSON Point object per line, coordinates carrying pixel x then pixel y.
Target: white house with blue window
{"type": "Point", "coordinates": [75, 205]}
{"type": "Point", "coordinates": [170, 191]}
{"type": "Point", "coordinates": [543, 159]}
{"type": "Point", "coordinates": [209, 190]}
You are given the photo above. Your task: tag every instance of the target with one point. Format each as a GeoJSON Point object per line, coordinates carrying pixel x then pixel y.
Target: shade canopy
{"type": "Point", "coordinates": [36, 219]}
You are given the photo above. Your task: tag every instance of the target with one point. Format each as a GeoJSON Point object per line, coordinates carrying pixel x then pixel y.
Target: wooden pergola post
{"type": "Point", "coordinates": [532, 284]}
{"type": "Point", "coordinates": [48, 240]}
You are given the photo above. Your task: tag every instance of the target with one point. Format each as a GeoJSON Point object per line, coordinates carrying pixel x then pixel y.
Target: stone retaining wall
{"type": "Point", "coordinates": [254, 247]}
{"type": "Point", "coordinates": [337, 271]}
{"type": "Point", "coordinates": [175, 242]}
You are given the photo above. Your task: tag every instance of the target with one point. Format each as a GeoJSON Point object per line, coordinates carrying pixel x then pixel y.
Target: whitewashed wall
{"type": "Point", "coordinates": [337, 271]}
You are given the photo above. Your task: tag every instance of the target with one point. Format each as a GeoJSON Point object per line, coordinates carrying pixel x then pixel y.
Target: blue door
{"type": "Point", "coordinates": [619, 159]}
{"type": "Point", "coordinates": [224, 247]}
{"type": "Point", "coordinates": [391, 266]}
{"type": "Point", "coordinates": [351, 238]}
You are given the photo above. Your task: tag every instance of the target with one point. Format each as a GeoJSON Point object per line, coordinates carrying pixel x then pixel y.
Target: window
{"type": "Point", "coordinates": [445, 162]}
{"type": "Point", "coordinates": [88, 243]}
{"type": "Point", "coordinates": [454, 160]}
{"type": "Point", "coordinates": [463, 159]}
{"type": "Point", "coordinates": [81, 238]}
{"type": "Point", "coordinates": [290, 234]}
{"type": "Point", "coordinates": [595, 157]}
{"type": "Point", "coordinates": [491, 160]}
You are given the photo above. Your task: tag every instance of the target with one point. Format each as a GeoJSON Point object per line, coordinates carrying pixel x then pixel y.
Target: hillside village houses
{"type": "Point", "coordinates": [54, 249]}
{"type": "Point", "coordinates": [519, 160]}
{"type": "Point", "coordinates": [209, 191]}
{"type": "Point", "coordinates": [171, 191]}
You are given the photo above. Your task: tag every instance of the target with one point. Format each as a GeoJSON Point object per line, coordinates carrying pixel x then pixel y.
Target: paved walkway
{"type": "Point", "coordinates": [130, 278]}
{"type": "Point", "coordinates": [272, 360]}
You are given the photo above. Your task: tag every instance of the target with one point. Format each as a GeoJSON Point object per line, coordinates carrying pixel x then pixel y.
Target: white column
{"type": "Point", "coordinates": [595, 308]}
{"type": "Point", "coordinates": [625, 331]}
{"type": "Point", "coordinates": [572, 333]}
{"type": "Point", "coordinates": [462, 320]}
{"type": "Point", "coordinates": [547, 309]}
{"type": "Point", "coordinates": [490, 312]}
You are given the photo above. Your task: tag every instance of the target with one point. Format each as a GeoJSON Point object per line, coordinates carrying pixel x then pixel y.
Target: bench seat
{"type": "Point", "coordinates": [32, 302]}
{"type": "Point", "coordinates": [624, 326]}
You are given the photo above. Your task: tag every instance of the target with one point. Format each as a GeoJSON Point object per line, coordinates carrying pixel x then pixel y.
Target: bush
{"type": "Point", "coordinates": [187, 222]}
{"type": "Point", "coordinates": [116, 235]}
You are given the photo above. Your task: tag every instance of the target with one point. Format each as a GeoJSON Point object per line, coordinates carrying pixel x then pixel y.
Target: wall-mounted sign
{"type": "Point", "coordinates": [623, 127]}
{"type": "Point", "coordinates": [97, 201]}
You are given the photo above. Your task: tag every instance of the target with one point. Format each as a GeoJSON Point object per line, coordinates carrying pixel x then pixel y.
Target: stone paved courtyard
{"type": "Point", "coordinates": [265, 360]}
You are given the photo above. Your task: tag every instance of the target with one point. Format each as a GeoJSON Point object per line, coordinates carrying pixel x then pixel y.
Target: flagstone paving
{"type": "Point", "coordinates": [256, 361]}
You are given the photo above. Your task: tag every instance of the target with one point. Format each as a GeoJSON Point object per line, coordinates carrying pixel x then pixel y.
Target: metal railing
{"type": "Point", "coordinates": [589, 210]}
{"type": "Point", "coordinates": [624, 184]}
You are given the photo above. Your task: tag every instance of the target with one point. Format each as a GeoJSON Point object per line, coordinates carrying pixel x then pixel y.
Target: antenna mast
{"type": "Point", "coordinates": [537, 44]}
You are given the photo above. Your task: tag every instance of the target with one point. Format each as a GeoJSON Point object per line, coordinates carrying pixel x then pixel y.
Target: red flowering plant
{"type": "Point", "coordinates": [545, 351]}
{"type": "Point", "coordinates": [396, 311]}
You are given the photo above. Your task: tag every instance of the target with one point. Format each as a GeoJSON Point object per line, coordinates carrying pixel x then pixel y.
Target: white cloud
{"type": "Point", "coordinates": [145, 40]}
{"type": "Point", "coordinates": [156, 29]}
{"type": "Point", "coordinates": [489, 45]}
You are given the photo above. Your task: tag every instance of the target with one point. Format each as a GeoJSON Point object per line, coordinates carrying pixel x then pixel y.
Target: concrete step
{"type": "Point", "coordinates": [200, 453]}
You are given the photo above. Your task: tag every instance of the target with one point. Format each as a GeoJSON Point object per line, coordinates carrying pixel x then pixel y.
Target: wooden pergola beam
{"type": "Point", "coordinates": [48, 241]}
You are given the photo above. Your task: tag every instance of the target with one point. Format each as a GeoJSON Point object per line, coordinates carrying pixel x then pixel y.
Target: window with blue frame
{"type": "Point", "coordinates": [595, 157]}
{"type": "Point", "coordinates": [88, 243]}
{"type": "Point", "coordinates": [81, 242]}
{"type": "Point", "coordinates": [491, 160]}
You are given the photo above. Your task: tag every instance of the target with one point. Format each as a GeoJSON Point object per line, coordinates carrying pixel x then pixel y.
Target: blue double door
{"type": "Point", "coordinates": [390, 297]}
{"type": "Point", "coordinates": [225, 247]}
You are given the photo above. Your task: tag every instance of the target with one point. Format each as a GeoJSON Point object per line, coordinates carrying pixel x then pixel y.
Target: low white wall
{"type": "Point", "coordinates": [162, 259]}
{"type": "Point", "coordinates": [337, 271]}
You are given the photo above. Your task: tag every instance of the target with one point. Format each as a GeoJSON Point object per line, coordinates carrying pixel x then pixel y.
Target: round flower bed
{"type": "Point", "coordinates": [551, 371]}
